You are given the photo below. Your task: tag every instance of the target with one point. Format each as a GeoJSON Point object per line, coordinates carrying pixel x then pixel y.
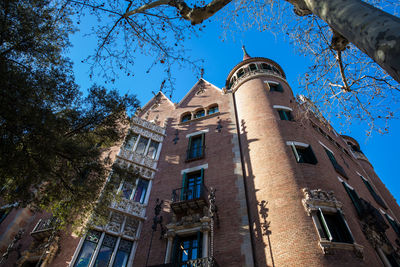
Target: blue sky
{"type": "Point", "coordinates": [219, 58]}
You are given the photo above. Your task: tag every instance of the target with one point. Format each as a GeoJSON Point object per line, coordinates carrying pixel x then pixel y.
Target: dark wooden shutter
{"type": "Point", "coordinates": [189, 150]}
{"type": "Point", "coordinates": [199, 244]}
{"type": "Point", "coordinates": [183, 189]}
{"type": "Point", "coordinates": [203, 144]}
{"type": "Point", "coordinates": [175, 250]}
{"type": "Point", "coordinates": [279, 87]}
{"type": "Point", "coordinates": [354, 198]}
{"type": "Point", "coordinates": [325, 225]}
{"type": "Point", "coordinates": [310, 156]}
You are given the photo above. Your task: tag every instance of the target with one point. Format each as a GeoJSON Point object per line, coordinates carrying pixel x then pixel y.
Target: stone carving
{"type": "Point", "coordinates": [147, 124]}
{"type": "Point", "coordinates": [115, 223]}
{"type": "Point", "coordinates": [137, 158]}
{"type": "Point", "coordinates": [317, 198]}
{"type": "Point", "coordinates": [129, 206]}
{"type": "Point", "coordinates": [131, 227]}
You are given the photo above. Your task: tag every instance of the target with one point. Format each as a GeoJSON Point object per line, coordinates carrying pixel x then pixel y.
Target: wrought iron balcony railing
{"type": "Point", "coordinates": [43, 228]}
{"type": "Point", "coordinates": [202, 262]}
{"type": "Point", "coordinates": [190, 197]}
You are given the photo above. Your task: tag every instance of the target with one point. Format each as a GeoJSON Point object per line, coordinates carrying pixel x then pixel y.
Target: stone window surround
{"type": "Point", "coordinates": [147, 146]}
{"type": "Point", "coordinates": [282, 107]}
{"type": "Point", "coordinates": [326, 147]}
{"type": "Point", "coordinates": [204, 228]}
{"type": "Point", "coordinates": [196, 168]}
{"type": "Point", "coordinates": [198, 133]}
{"type": "Point", "coordinates": [330, 205]}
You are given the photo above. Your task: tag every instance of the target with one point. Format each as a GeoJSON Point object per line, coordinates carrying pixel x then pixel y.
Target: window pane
{"type": "Point", "coordinates": [213, 110]}
{"type": "Point", "coordinates": [199, 114]}
{"type": "Point", "coordinates": [127, 190]}
{"type": "Point", "coordinates": [153, 149]}
{"type": "Point", "coordinates": [88, 247]}
{"type": "Point", "coordinates": [124, 249]}
{"type": "Point", "coordinates": [338, 228]}
{"type": "Point", "coordinates": [141, 147]}
{"type": "Point", "coordinates": [131, 140]}
{"type": "Point", "coordinates": [106, 251]}
{"type": "Point", "coordinates": [196, 147]}
{"type": "Point", "coordinates": [186, 118]}
{"type": "Point", "coordinates": [141, 190]}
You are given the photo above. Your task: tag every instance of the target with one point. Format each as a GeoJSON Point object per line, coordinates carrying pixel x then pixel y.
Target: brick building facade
{"type": "Point", "coordinates": [247, 175]}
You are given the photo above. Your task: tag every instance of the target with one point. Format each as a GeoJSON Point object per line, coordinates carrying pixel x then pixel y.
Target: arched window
{"type": "Point", "coordinates": [200, 113]}
{"type": "Point", "coordinates": [265, 66]}
{"type": "Point", "coordinates": [252, 67]}
{"type": "Point", "coordinates": [240, 73]}
{"type": "Point", "coordinates": [186, 117]}
{"type": "Point", "coordinates": [276, 70]}
{"type": "Point", "coordinates": [213, 109]}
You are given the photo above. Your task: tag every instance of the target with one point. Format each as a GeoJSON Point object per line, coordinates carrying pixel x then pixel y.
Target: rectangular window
{"type": "Point", "coordinates": [126, 190]}
{"type": "Point", "coordinates": [275, 87]}
{"type": "Point", "coordinates": [285, 115]}
{"type": "Point", "coordinates": [192, 185]}
{"type": "Point", "coordinates": [335, 227]}
{"type": "Point", "coordinates": [186, 249]}
{"type": "Point", "coordinates": [196, 147]}
{"type": "Point", "coordinates": [377, 198]}
{"type": "Point", "coordinates": [141, 146]}
{"type": "Point", "coordinates": [88, 248]}
{"type": "Point", "coordinates": [141, 190]}
{"type": "Point", "coordinates": [338, 168]}
{"type": "Point", "coordinates": [153, 148]}
{"type": "Point", "coordinates": [304, 154]}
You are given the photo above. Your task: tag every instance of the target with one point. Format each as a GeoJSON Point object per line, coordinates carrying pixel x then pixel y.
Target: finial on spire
{"type": "Point", "coordinates": [245, 55]}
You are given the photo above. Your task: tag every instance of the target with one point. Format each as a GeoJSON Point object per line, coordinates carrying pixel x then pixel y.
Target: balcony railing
{"type": "Point", "coordinates": [190, 197]}
{"type": "Point", "coordinates": [43, 228]}
{"type": "Point", "coordinates": [202, 262]}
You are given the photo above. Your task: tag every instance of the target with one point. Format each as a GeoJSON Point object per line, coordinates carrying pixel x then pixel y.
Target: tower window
{"type": "Point", "coordinates": [186, 117]}
{"type": "Point", "coordinates": [275, 87]}
{"type": "Point", "coordinates": [303, 153]}
{"type": "Point", "coordinates": [240, 73]}
{"type": "Point", "coordinates": [285, 115]}
{"type": "Point", "coordinates": [196, 147]}
{"type": "Point", "coordinates": [252, 67]}
{"type": "Point", "coordinates": [265, 66]}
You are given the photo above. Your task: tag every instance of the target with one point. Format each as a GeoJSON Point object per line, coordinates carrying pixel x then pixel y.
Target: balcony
{"type": "Point", "coordinates": [44, 228]}
{"type": "Point", "coordinates": [202, 262]}
{"type": "Point", "coordinates": [129, 207]}
{"type": "Point", "coordinates": [193, 197]}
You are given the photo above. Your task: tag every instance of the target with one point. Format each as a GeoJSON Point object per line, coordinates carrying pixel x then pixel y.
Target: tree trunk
{"type": "Point", "coordinates": [372, 30]}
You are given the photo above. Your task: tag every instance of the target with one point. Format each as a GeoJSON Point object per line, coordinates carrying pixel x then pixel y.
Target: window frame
{"type": "Point", "coordinates": [201, 155]}
{"type": "Point", "coordinates": [276, 86]}
{"type": "Point", "coordinates": [309, 153]}
{"type": "Point", "coordinates": [378, 199]}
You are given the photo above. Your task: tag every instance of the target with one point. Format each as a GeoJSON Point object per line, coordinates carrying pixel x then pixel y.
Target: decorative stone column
{"type": "Point", "coordinates": [205, 229]}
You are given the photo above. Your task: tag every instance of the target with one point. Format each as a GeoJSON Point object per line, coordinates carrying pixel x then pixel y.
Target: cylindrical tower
{"type": "Point", "coordinates": [282, 230]}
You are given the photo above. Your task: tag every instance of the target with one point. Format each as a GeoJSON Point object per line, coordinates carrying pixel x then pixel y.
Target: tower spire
{"type": "Point", "coordinates": [245, 55]}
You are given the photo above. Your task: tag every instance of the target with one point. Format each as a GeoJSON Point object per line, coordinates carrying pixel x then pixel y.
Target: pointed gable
{"type": "Point", "coordinates": [156, 109]}
{"type": "Point", "coordinates": [202, 94]}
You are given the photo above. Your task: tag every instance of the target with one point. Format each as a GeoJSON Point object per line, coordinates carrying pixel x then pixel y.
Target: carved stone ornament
{"type": "Point", "coordinates": [329, 248]}
{"type": "Point", "coordinates": [317, 198]}
{"type": "Point", "coordinates": [131, 227]}
{"type": "Point", "coordinates": [115, 223]}
{"type": "Point", "coordinates": [146, 124]}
